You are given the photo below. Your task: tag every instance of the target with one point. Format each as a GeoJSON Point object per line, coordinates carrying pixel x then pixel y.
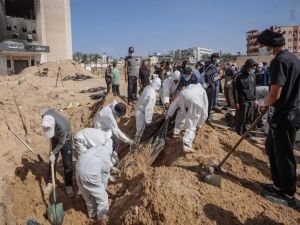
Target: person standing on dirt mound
{"type": "Point", "coordinates": [145, 107]}
{"type": "Point", "coordinates": [106, 119]}
{"type": "Point", "coordinates": [284, 96]}
{"type": "Point", "coordinates": [108, 78]}
{"type": "Point", "coordinates": [244, 95]}
{"type": "Point", "coordinates": [131, 75]}
{"type": "Point", "coordinates": [193, 111]}
{"type": "Point", "coordinates": [58, 130]}
{"type": "Point", "coordinates": [93, 172]}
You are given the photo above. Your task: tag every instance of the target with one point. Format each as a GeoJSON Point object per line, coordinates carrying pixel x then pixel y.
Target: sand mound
{"type": "Point", "coordinates": [171, 192]}
{"type": "Point", "coordinates": [68, 67]}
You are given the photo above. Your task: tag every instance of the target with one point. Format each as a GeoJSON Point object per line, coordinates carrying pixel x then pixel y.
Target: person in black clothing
{"type": "Point", "coordinates": [284, 96]}
{"type": "Point", "coordinates": [210, 74]}
{"type": "Point", "coordinates": [108, 78]}
{"type": "Point", "coordinates": [144, 76]}
{"type": "Point", "coordinates": [131, 75]}
{"type": "Point", "coordinates": [244, 95]}
{"type": "Point", "coordinates": [187, 78]}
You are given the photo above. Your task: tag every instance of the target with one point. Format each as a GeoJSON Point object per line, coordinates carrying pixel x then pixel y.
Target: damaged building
{"type": "Point", "coordinates": [33, 32]}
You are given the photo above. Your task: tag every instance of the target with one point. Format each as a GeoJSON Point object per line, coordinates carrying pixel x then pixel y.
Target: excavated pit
{"type": "Point", "coordinates": [169, 192]}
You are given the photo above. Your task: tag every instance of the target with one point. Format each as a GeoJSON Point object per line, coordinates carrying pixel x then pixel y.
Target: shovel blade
{"type": "Point", "coordinates": [55, 214]}
{"type": "Point", "coordinates": [213, 179]}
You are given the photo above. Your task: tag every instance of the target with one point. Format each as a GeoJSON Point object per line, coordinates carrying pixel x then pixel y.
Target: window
{"type": "Point", "coordinates": [8, 64]}
{"type": "Point", "coordinates": [21, 9]}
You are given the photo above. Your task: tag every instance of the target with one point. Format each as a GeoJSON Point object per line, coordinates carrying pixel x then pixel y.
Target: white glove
{"type": "Point", "coordinates": [52, 158]}
{"type": "Point", "coordinates": [261, 102]}
{"type": "Point", "coordinates": [131, 142]}
{"type": "Point", "coordinates": [205, 85]}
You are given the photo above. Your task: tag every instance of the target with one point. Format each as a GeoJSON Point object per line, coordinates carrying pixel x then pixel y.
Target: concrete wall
{"type": "Point", "coordinates": [3, 65]}
{"type": "Point", "coordinates": [2, 21]}
{"type": "Point", "coordinates": [55, 28]}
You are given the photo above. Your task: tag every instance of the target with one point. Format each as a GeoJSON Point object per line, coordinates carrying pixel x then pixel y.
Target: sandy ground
{"type": "Point", "coordinates": [170, 192]}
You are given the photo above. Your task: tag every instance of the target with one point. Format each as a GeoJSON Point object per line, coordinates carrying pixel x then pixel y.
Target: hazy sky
{"type": "Point", "coordinates": [112, 26]}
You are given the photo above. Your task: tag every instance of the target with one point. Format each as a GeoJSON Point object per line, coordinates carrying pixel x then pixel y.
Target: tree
{"type": "Point", "coordinates": [77, 56]}
{"type": "Point", "coordinates": [84, 59]}
{"type": "Point", "coordinates": [96, 57]}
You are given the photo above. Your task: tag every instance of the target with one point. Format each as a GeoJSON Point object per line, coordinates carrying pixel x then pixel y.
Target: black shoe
{"type": "Point", "coordinates": [269, 188]}
{"type": "Point", "coordinates": [280, 198]}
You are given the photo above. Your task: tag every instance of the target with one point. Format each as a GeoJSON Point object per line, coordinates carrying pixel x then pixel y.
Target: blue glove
{"type": "Point", "coordinates": [148, 125]}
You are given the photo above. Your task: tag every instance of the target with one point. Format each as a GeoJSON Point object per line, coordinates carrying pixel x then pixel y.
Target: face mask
{"type": "Point", "coordinates": [252, 71]}
{"type": "Point", "coordinates": [186, 77]}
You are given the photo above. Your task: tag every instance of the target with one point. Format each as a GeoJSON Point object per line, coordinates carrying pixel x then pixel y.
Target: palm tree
{"type": "Point", "coordinates": [84, 59]}
{"type": "Point", "coordinates": [77, 56]}
{"type": "Point", "coordinates": [96, 57]}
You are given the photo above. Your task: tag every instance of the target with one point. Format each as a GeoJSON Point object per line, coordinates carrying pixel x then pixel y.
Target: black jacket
{"type": "Point", "coordinates": [244, 87]}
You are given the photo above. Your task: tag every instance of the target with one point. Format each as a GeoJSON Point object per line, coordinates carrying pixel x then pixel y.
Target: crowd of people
{"type": "Point", "coordinates": [191, 93]}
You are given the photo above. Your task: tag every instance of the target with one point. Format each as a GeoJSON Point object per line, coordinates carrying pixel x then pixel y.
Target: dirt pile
{"type": "Point", "coordinates": [68, 68]}
{"type": "Point", "coordinates": [171, 192]}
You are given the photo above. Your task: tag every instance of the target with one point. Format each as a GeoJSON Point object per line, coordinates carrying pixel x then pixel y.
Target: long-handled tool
{"type": "Point", "coordinates": [24, 143]}
{"type": "Point", "coordinates": [215, 179]}
{"type": "Point", "coordinates": [55, 212]}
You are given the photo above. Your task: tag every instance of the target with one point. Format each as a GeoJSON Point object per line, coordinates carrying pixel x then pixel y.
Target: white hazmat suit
{"type": "Point", "coordinates": [106, 119]}
{"type": "Point", "coordinates": [169, 87]}
{"type": "Point", "coordinates": [145, 106]}
{"type": "Point", "coordinates": [92, 173]}
{"type": "Point", "coordinates": [92, 137]}
{"type": "Point", "coordinates": [193, 112]}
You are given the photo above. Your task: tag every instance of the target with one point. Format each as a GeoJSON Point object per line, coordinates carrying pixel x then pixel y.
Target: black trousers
{"type": "Point", "coordinates": [132, 88]}
{"type": "Point", "coordinates": [116, 89]}
{"type": "Point", "coordinates": [108, 83]}
{"type": "Point", "coordinates": [280, 149]}
{"type": "Point", "coordinates": [244, 117]}
{"type": "Point", "coordinates": [210, 91]}
{"type": "Point", "coordinates": [66, 153]}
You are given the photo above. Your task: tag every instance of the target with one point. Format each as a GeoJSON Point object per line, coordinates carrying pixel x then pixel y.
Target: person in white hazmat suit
{"type": "Point", "coordinates": [169, 87]}
{"type": "Point", "coordinates": [93, 171]}
{"type": "Point", "coordinates": [91, 137]}
{"type": "Point", "coordinates": [193, 111]}
{"type": "Point", "coordinates": [106, 119]}
{"type": "Point", "coordinates": [145, 107]}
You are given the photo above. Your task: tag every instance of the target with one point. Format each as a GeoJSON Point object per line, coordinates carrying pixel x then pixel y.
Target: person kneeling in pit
{"type": "Point", "coordinates": [106, 119]}
{"type": "Point", "coordinates": [57, 129]}
{"type": "Point", "coordinates": [145, 107]}
{"type": "Point", "coordinates": [193, 112]}
{"type": "Point", "coordinates": [93, 171]}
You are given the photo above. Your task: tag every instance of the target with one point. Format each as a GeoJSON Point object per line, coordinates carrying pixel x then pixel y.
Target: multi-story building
{"type": "Point", "coordinates": [193, 55]}
{"type": "Point", "coordinates": [291, 35]}
{"type": "Point", "coordinates": [153, 59]}
{"type": "Point", "coordinates": [33, 32]}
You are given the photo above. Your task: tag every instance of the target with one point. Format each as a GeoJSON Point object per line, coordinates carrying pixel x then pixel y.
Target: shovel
{"type": "Point", "coordinates": [23, 142]}
{"type": "Point", "coordinates": [55, 212]}
{"type": "Point", "coordinates": [215, 179]}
